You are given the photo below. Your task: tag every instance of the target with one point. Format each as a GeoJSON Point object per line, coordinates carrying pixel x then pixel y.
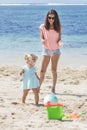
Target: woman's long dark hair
{"type": "Point", "coordinates": [57, 25]}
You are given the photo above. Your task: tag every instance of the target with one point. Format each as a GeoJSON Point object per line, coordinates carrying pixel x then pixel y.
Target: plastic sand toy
{"type": "Point", "coordinates": [54, 111]}
{"type": "Point", "coordinates": [52, 98]}
{"type": "Point", "coordinates": [74, 115]}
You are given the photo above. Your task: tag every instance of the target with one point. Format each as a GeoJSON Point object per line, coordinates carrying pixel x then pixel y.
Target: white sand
{"type": "Point", "coordinates": [71, 91]}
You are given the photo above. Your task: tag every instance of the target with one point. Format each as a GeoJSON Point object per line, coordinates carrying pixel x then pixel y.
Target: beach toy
{"type": "Point", "coordinates": [50, 98]}
{"type": "Point", "coordinates": [75, 115]}
{"type": "Point", "coordinates": [81, 113]}
{"type": "Point", "coordinates": [68, 116]}
{"type": "Point", "coordinates": [55, 111]}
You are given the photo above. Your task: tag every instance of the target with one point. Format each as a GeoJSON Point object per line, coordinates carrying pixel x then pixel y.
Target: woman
{"type": "Point", "coordinates": [50, 33]}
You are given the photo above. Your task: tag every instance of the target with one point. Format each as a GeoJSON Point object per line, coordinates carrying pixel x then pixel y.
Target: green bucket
{"type": "Point", "coordinates": [55, 112]}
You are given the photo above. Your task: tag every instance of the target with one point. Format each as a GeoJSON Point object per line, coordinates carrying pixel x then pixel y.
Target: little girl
{"type": "Point", "coordinates": [30, 78]}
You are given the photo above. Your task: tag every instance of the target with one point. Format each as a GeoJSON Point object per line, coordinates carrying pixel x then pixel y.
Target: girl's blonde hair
{"type": "Point", "coordinates": [31, 57]}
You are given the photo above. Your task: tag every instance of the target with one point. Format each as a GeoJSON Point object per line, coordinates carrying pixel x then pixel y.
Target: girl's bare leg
{"type": "Point", "coordinates": [25, 93]}
{"type": "Point", "coordinates": [44, 65]}
{"type": "Point", "coordinates": [36, 95]}
{"type": "Point", "coordinates": [54, 61]}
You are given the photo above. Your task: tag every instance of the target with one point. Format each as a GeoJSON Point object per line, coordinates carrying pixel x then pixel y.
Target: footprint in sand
{"type": "Point", "coordinates": [14, 103]}
{"type": "Point", "coordinates": [1, 100]}
{"type": "Point", "coordinates": [4, 117]}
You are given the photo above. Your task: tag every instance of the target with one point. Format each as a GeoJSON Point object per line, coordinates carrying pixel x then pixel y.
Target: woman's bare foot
{"type": "Point", "coordinates": [53, 90]}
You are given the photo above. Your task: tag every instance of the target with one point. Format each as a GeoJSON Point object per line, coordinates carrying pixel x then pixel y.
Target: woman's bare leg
{"type": "Point", "coordinates": [45, 62]}
{"type": "Point", "coordinates": [25, 93]}
{"type": "Point", "coordinates": [54, 61]}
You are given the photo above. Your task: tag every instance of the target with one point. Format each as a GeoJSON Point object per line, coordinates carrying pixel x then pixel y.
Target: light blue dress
{"type": "Point", "coordinates": [30, 79]}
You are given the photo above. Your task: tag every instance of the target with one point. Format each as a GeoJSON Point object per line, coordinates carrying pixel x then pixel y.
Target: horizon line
{"type": "Point", "coordinates": [19, 4]}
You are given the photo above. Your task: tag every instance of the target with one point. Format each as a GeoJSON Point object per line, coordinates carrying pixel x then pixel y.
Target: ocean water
{"type": "Point", "coordinates": [19, 29]}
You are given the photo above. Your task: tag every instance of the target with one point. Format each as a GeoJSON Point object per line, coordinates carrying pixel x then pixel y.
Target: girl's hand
{"type": "Point", "coordinates": [21, 72]}
{"type": "Point", "coordinates": [21, 79]}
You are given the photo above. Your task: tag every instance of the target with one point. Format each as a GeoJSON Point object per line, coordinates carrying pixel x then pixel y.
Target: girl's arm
{"type": "Point", "coordinates": [21, 72]}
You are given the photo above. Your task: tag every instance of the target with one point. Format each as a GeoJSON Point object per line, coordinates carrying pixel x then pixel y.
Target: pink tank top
{"type": "Point", "coordinates": [51, 37]}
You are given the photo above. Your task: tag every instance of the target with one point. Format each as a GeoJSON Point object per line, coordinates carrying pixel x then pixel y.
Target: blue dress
{"type": "Point", "coordinates": [30, 79]}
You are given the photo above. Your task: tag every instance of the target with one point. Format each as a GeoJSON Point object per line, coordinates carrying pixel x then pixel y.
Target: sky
{"type": "Point", "coordinates": [41, 1]}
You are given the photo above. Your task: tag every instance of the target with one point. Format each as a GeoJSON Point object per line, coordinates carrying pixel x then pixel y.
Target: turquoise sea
{"type": "Point", "coordinates": [19, 29]}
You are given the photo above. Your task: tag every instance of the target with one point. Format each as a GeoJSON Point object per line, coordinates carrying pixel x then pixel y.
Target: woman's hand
{"type": "Point", "coordinates": [61, 44]}
{"type": "Point", "coordinates": [43, 41]}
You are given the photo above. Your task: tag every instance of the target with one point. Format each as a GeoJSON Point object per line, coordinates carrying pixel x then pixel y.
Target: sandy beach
{"type": "Point", "coordinates": [20, 34]}
{"type": "Point", "coordinates": [71, 90]}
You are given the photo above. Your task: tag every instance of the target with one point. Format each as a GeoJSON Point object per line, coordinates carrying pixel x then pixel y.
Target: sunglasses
{"type": "Point", "coordinates": [51, 18]}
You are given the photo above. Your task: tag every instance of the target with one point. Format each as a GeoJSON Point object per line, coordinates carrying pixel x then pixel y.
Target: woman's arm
{"type": "Point", "coordinates": [42, 36]}
{"type": "Point", "coordinates": [37, 76]}
{"type": "Point", "coordinates": [59, 38]}
{"type": "Point", "coordinates": [61, 44]}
